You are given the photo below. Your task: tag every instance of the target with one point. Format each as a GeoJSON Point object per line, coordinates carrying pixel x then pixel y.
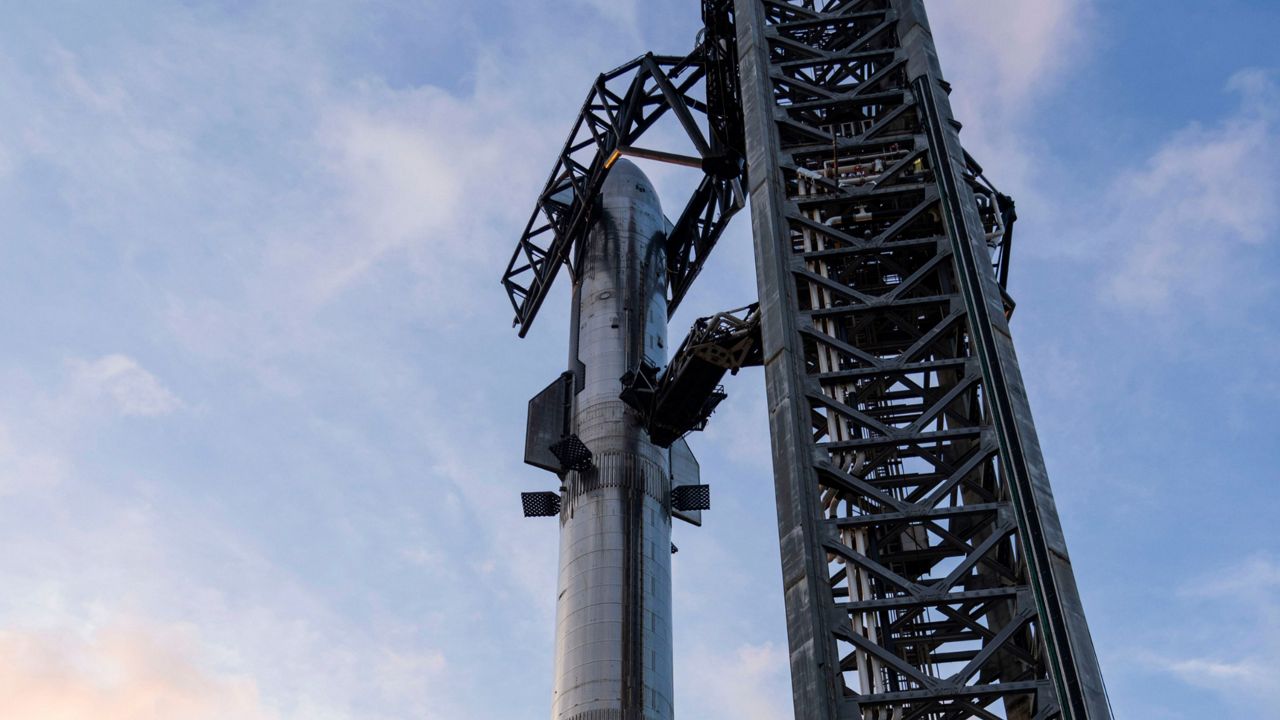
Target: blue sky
{"type": "Point", "coordinates": [261, 409]}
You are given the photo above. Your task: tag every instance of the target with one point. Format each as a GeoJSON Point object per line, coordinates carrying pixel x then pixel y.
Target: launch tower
{"type": "Point", "coordinates": [925, 571]}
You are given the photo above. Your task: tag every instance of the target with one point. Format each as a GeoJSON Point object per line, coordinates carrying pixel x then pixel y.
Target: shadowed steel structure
{"type": "Point", "coordinates": [926, 576]}
{"type": "Point", "coordinates": [925, 570]}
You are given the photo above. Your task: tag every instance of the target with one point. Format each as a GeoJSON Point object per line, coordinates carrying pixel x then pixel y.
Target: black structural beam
{"type": "Point", "coordinates": [700, 91]}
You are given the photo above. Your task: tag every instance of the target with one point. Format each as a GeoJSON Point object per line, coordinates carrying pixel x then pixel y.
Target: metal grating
{"type": "Point", "coordinates": [687, 498]}
{"type": "Point", "coordinates": [540, 504]}
{"type": "Point", "coordinates": [572, 453]}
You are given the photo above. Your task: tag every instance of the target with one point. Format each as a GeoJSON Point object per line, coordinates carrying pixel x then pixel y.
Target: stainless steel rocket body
{"type": "Point", "coordinates": [613, 614]}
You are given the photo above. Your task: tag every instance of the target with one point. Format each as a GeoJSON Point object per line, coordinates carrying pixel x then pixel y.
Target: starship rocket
{"type": "Point", "coordinates": [613, 656]}
{"type": "Point", "coordinates": [613, 611]}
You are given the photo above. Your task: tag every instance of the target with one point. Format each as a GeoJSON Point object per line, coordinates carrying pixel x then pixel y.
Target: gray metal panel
{"type": "Point", "coordinates": [548, 421]}
{"type": "Point", "coordinates": [684, 471]}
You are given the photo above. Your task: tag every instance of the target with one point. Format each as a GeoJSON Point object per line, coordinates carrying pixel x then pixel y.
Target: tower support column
{"type": "Point", "coordinates": [924, 566]}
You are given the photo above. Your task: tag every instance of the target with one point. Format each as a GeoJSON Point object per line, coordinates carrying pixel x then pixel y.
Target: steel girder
{"type": "Point", "coordinates": [925, 571]}
{"type": "Point", "coordinates": [700, 91]}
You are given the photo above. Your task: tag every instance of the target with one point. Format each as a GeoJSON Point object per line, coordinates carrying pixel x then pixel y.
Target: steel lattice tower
{"type": "Point", "coordinates": [926, 576]}
{"type": "Point", "coordinates": [925, 569]}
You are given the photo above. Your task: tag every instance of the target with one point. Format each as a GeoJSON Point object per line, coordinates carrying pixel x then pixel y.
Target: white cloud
{"type": "Point", "coordinates": [163, 612]}
{"type": "Point", "coordinates": [103, 98]}
{"type": "Point", "coordinates": [1257, 580]}
{"type": "Point", "coordinates": [26, 465]}
{"type": "Point", "coordinates": [130, 389]}
{"type": "Point", "coordinates": [122, 672]}
{"type": "Point", "coordinates": [1009, 52]}
{"type": "Point", "coordinates": [401, 173]}
{"type": "Point", "coordinates": [6, 163]}
{"type": "Point", "coordinates": [740, 426]}
{"type": "Point", "coordinates": [1184, 225]}
{"type": "Point", "coordinates": [1223, 674]}
{"type": "Point", "coordinates": [745, 682]}
{"type": "Point", "coordinates": [423, 176]}
{"type": "Point", "coordinates": [252, 190]}
{"type": "Point", "coordinates": [1003, 57]}
{"type": "Point", "coordinates": [1234, 647]}
{"type": "Point", "coordinates": [621, 12]}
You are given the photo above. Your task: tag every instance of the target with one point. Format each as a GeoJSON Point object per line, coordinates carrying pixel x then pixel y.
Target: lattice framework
{"type": "Point", "coordinates": [924, 566]}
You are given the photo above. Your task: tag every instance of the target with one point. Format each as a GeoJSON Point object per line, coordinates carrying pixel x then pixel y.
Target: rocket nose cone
{"type": "Point", "coordinates": [625, 177]}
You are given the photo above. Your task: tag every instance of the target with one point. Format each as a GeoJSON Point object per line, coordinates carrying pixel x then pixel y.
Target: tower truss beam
{"type": "Point", "coordinates": [925, 570]}
{"type": "Point", "coordinates": [700, 91]}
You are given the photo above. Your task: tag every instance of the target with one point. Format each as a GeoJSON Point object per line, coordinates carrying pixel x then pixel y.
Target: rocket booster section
{"type": "Point", "coordinates": [613, 614]}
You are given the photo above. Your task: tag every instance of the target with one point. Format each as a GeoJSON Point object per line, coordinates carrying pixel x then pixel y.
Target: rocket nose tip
{"type": "Point", "coordinates": [626, 174]}
{"type": "Point", "coordinates": [625, 165]}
